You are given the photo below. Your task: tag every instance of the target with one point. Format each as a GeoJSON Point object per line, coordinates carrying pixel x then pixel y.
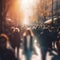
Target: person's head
{"type": "Point", "coordinates": [17, 30]}
{"type": "Point", "coordinates": [3, 41]}
{"type": "Point", "coordinates": [28, 32]}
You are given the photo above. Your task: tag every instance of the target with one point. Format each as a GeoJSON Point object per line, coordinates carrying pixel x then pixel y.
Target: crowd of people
{"type": "Point", "coordinates": [47, 38]}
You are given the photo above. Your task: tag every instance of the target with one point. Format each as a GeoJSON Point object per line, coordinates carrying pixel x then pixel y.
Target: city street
{"type": "Point", "coordinates": [38, 56]}
{"type": "Point", "coordinates": [29, 29]}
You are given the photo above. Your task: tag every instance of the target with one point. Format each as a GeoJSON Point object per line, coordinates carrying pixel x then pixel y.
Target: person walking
{"type": "Point", "coordinates": [28, 44]}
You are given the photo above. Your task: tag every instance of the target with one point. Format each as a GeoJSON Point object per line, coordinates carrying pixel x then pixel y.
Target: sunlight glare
{"type": "Point", "coordinates": [27, 7]}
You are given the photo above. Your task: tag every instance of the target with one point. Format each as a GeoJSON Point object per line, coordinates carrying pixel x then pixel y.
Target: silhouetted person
{"type": "Point", "coordinates": [50, 38]}
{"type": "Point", "coordinates": [44, 43]}
{"type": "Point", "coordinates": [54, 37]}
{"type": "Point", "coordinates": [28, 44]}
{"type": "Point", "coordinates": [58, 47]}
{"type": "Point", "coordinates": [15, 40]}
{"type": "Point", "coordinates": [58, 43]}
{"type": "Point", "coordinates": [5, 54]}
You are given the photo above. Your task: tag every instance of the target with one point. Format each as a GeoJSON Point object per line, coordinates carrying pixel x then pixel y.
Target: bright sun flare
{"type": "Point", "coordinates": [27, 9]}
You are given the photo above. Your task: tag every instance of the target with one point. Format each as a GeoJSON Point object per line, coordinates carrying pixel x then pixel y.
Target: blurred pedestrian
{"type": "Point", "coordinates": [44, 43]}
{"type": "Point", "coordinates": [58, 43]}
{"type": "Point", "coordinates": [15, 40]}
{"type": "Point", "coordinates": [5, 53]}
{"type": "Point", "coordinates": [28, 44]}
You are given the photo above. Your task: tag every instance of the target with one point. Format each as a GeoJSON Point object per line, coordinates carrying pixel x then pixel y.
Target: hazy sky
{"type": "Point", "coordinates": [26, 11]}
{"type": "Point", "coordinates": [29, 9]}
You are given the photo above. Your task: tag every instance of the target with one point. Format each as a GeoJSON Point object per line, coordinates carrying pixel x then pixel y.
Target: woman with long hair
{"type": "Point", "coordinates": [28, 44]}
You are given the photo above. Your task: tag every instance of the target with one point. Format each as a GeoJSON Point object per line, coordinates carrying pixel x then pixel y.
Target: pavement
{"type": "Point", "coordinates": [38, 56]}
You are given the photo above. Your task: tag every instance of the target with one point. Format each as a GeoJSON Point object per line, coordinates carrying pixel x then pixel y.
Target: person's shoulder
{"type": "Point", "coordinates": [11, 54]}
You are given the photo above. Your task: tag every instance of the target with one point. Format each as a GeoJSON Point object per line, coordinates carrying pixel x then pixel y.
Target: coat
{"type": "Point", "coordinates": [25, 43]}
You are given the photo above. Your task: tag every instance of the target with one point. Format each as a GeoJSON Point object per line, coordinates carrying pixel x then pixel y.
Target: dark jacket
{"type": "Point", "coordinates": [25, 43]}
{"type": "Point", "coordinates": [7, 54]}
{"type": "Point", "coordinates": [43, 39]}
